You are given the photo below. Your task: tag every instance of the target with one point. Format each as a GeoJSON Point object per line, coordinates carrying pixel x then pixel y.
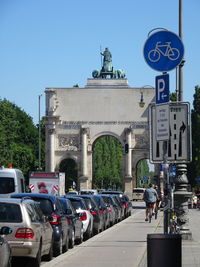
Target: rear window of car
{"type": "Point", "coordinates": [77, 204]}
{"type": "Point", "coordinates": [10, 212]}
{"type": "Point", "coordinates": [45, 205]}
{"type": "Point", "coordinates": [107, 200]}
{"type": "Point", "coordinates": [7, 185]}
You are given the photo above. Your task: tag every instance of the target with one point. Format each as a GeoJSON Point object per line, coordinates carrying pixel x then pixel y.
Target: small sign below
{"type": "Point", "coordinates": [162, 122]}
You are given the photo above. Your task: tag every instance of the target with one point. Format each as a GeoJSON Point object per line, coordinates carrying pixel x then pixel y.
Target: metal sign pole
{"type": "Point", "coordinates": [166, 179]}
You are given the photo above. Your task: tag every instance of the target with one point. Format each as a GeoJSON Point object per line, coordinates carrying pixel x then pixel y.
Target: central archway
{"type": "Point", "coordinates": [107, 163]}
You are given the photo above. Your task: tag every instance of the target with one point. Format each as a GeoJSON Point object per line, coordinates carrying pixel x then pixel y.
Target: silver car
{"type": "Point", "coordinates": [5, 251]}
{"type": "Point", "coordinates": [31, 232]}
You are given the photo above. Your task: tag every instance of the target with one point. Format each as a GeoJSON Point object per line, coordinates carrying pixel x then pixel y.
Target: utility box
{"type": "Point", "coordinates": [164, 250]}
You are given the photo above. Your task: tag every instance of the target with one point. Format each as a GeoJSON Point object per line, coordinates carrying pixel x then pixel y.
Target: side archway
{"type": "Point", "coordinates": [70, 168]}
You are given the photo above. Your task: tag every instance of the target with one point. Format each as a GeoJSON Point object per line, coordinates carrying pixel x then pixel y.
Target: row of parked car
{"type": "Point", "coordinates": [40, 226]}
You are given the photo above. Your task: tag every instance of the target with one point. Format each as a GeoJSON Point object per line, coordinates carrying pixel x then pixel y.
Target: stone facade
{"type": "Point", "coordinates": [77, 117]}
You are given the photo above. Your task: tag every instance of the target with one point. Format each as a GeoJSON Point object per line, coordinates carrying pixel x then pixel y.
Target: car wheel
{"type": "Point", "coordinates": [66, 246]}
{"type": "Point", "coordinates": [9, 262]}
{"type": "Point", "coordinates": [49, 256]}
{"type": "Point", "coordinates": [35, 262]}
{"type": "Point", "coordinates": [80, 240]}
{"type": "Point", "coordinates": [58, 250]}
{"type": "Point", "coordinates": [72, 241]}
{"type": "Point", "coordinates": [88, 233]}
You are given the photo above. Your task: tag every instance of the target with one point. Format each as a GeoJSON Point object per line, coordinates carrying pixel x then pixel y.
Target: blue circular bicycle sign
{"type": "Point", "coordinates": [163, 51]}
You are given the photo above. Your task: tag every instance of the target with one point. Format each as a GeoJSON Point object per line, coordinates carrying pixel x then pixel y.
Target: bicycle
{"type": "Point", "coordinates": [156, 209]}
{"type": "Point", "coordinates": [173, 225]}
{"type": "Point", "coordinates": [163, 49]}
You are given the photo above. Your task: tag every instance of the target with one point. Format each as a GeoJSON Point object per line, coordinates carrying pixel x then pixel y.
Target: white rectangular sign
{"type": "Point", "coordinates": [162, 122]}
{"type": "Point", "coordinates": [179, 142]}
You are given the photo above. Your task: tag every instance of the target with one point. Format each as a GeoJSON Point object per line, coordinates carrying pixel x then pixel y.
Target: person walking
{"type": "Point", "coordinates": [150, 198]}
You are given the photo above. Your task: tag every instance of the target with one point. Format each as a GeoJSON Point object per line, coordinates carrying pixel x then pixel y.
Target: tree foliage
{"type": "Point", "coordinates": [107, 163]}
{"type": "Point", "coordinates": [18, 138]}
{"type": "Point", "coordinates": [194, 166]}
{"type": "Point", "coordinates": [142, 171]}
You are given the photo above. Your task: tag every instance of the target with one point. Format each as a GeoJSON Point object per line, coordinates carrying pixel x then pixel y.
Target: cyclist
{"type": "Point", "coordinates": [150, 197]}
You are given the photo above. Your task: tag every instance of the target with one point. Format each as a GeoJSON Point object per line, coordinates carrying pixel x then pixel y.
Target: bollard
{"type": "Point", "coordinates": [164, 250]}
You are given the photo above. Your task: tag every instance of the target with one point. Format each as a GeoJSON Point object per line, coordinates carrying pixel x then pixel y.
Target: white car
{"type": "Point", "coordinates": [87, 218]}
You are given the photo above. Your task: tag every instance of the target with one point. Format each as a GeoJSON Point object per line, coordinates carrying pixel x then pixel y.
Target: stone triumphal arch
{"type": "Point", "coordinates": [76, 117]}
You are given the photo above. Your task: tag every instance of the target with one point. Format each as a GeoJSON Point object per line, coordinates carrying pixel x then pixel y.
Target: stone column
{"type": "Point", "coordinates": [83, 179]}
{"type": "Point", "coordinates": [181, 196]}
{"type": "Point", "coordinates": [51, 150]}
{"type": "Point", "coordinates": [128, 165]}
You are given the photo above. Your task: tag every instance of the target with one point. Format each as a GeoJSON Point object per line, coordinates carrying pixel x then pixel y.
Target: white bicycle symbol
{"type": "Point", "coordinates": [171, 52]}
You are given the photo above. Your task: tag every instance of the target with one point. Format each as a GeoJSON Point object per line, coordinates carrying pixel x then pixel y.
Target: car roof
{"type": "Point", "coordinates": [14, 200]}
{"type": "Point", "coordinates": [73, 197]}
{"type": "Point", "coordinates": [111, 192]}
{"type": "Point", "coordinates": [32, 195]}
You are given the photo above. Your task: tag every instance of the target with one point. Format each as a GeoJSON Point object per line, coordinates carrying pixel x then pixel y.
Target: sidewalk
{"type": "Point", "coordinates": [190, 248]}
{"type": "Point", "coordinates": [125, 244]}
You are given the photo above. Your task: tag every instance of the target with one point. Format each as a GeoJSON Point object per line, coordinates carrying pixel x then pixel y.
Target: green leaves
{"type": "Point", "coordinates": [107, 163]}
{"type": "Point", "coordinates": [194, 166]}
{"type": "Point", "coordinates": [18, 138]}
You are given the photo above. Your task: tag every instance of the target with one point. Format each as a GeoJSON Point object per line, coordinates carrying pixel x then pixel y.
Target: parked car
{"type": "Point", "coordinates": [111, 192]}
{"type": "Point", "coordinates": [31, 233]}
{"type": "Point", "coordinates": [98, 222]}
{"type": "Point", "coordinates": [111, 207]}
{"type": "Point", "coordinates": [88, 192]}
{"type": "Point", "coordinates": [127, 204]}
{"type": "Point", "coordinates": [75, 223]}
{"type": "Point", "coordinates": [103, 209]}
{"type": "Point", "coordinates": [118, 207]}
{"type": "Point", "coordinates": [118, 195]}
{"type": "Point", "coordinates": [85, 215]}
{"type": "Point", "coordinates": [52, 208]}
{"type": "Point", "coordinates": [5, 250]}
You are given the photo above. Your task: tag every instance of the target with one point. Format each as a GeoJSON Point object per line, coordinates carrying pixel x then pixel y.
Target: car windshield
{"type": "Point", "coordinates": [7, 185]}
{"type": "Point", "coordinates": [10, 212]}
{"type": "Point", "coordinates": [45, 205]}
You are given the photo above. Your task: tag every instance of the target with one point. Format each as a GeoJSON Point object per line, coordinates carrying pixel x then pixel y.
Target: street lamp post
{"type": "Point", "coordinates": [181, 194]}
{"type": "Point", "coordinates": [39, 135]}
{"type": "Point", "coordinates": [142, 102]}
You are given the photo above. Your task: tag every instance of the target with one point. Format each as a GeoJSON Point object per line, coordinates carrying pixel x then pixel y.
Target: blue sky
{"type": "Point", "coordinates": [56, 43]}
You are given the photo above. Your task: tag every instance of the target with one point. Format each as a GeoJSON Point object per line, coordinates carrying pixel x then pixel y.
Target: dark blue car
{"type": "Point", "coordinates": [75, 223]}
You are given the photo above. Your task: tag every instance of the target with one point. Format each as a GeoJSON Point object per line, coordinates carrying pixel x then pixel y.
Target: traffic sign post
{"type": "Point", "coordinates": [162, 89]}
{"type": "Point", "coordinates": [163, 51]}
{"type": "Point", "coordinates": [179, 142]}
{"type": "Point", "coordinates": [162, 122]}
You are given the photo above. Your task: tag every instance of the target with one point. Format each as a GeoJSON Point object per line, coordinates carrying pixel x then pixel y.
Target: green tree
{"type": "Point", "coordinates": [194, 166]}
{"type": "Point", "coordinates": [18, 138]}
{"type": "Point", "coordinates": [142, 170]}
{"type": "Point", "coordinates": [107, 163]}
